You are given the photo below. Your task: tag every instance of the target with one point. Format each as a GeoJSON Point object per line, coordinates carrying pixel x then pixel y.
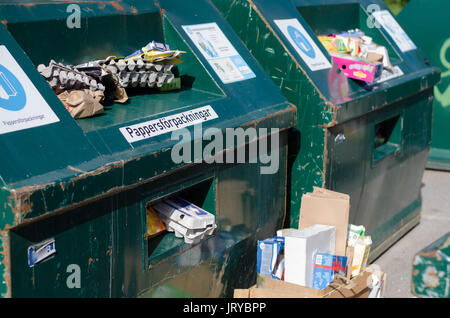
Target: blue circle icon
{"type": "Point", "coordinates": [12, 94]}
{"type": "Point", "coordinates": [301, 42]}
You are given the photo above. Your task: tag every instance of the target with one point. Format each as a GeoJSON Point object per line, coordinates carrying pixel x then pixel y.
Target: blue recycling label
{"type": "Point", "coordinates": [301, 42]}
{"type": "Point", "coordinates": [41, 252]}
{"type": "Point", "coordinates": [12, 93]}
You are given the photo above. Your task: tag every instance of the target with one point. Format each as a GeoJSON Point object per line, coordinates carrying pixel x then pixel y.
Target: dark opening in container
{"type": "Point", "coordinates": [387, 137]}
{"type": "Point", "coordinates": [166, 244]}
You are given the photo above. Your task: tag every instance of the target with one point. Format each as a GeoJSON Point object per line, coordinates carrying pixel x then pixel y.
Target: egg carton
{"type": "Point", "coordinates": [143, 79]}
{"type": "Point", "coordinates": [185, 213]}
{"type": "Point", "coordinates": [134, 73]}
{"type": "Point", "coordinates": [61, 76]}
{"type": "Point", "coordinates": [190, 236]}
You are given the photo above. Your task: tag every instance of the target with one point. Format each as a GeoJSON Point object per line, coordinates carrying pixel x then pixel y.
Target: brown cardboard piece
{"type": "Point", "coordinates": [82, 103]}
{"type": "Point", "coordinates": [266, 287]}
{"type": "Point", "coordinates": [327, 207]}
{"type": "Point", "coordinates": [242, 293]}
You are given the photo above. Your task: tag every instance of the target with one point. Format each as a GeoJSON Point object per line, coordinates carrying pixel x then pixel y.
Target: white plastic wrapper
{"type": "Point", "coordinates": [186, 219]}
{"type": "Point", "coordinates": [185, 213]}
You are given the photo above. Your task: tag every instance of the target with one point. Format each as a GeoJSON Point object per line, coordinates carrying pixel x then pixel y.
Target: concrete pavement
{"type": "Point", "coordinates": [435, 222]}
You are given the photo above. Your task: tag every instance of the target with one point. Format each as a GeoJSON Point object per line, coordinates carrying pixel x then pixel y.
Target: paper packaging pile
{"type": "Point", "coordinates": [185, 219]}
{"type": "Point", "coordinates": [107, 79]}
{"type": "Point", "coordinates": [357, 56]}
{"type": "Point", "coordinates": [325, 257]}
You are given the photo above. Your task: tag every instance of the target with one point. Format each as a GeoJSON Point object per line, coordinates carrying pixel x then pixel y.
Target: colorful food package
{"type": "Point", "coordinates": [326, 267]}
{"type": "Point", "coordinates": [327, 42]}
{"type": "Point", "coordinates": [357, 68]}
{"type": "Point", "coordinates": [356, 55]}
{"type": "Point", "coordinates": [354, 233]}
{"type": "Point", "coordinates": [154, 224]}
{"type": "Point", "coordinates": [269, 257]}
{"type": "Point", "coordinates": [361, 254]}
{"type": "Point", "coordinates": [156, 52]}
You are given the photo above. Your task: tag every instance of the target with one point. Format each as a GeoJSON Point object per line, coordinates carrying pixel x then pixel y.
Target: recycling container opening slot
{"type": "Point", "coordinates": [166, 243]}
{"type": "Point", "coordinates": [78, 46]}
{"type": "Point", "coordinates": [328, 19]}
{"type": "Point", "coordinates": [387, 137]}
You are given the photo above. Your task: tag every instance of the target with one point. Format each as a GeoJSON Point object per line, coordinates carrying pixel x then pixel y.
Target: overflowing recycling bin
{"type": "Point", "coordinates": [84, 177]}
{"type": "Point", "coordinates": [364, 93]}
{"type": "Point", "coordinates": [432, 36]}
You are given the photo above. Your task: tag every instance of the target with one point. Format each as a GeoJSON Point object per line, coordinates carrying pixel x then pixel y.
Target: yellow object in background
{"type": "Point", "coordinates": [158, 56]}
{"type": "Point", "coordinates": [154, 224]}
{"type": "Point", "coordinates": [327, 42]}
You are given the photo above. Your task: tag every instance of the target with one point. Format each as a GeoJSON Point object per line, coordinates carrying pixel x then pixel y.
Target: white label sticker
{"type": "Point", "coordinates": [220, 53]}
{"type": "Point", "coordinates": [167, 124]}
{"type": "Point", "coordinates": [394, 29]}
{"type": "Point", "coordinates": [303, 44]}
{"type": "Point", "coordinates": [21, 104]}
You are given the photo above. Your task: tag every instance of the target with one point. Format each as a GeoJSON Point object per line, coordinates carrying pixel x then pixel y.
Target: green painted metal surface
{"type": "Point", "coordinates": [334, 144]}
{"type": "Point", "coordinates": [80, 183]}
{"type": "Point", "coordinates": [427, 22]}
{"type": "Point", "coordinates": [431, 270]}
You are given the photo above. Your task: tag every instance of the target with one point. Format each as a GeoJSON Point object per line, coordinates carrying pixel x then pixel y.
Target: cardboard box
{"type": "Point", "coordinates": [330, 208]}
{"type": "Point", "coordinates": [357, 287]}
{"type": "Point", "coordinates": [358, 69]}
{"type": "Point", "coordinates": [300, 248]}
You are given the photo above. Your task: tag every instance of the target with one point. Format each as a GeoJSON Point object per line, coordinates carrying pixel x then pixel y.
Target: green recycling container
{"type": "Point", "coordinates": [370, 141]}
{"type": "Point", "coordinates": [74, 193]}
{"type": "Point", "coordinates": [432, 35]}
{"type": "Point", "coordinates": [431, 269]}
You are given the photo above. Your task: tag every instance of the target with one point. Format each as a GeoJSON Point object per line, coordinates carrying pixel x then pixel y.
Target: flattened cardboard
{"type": "Point", "coordinates": [330, 208]}
{"type": "Point", "coordinates": [267, 287]}
{"type": "Point", "coordinates": [242, 293]}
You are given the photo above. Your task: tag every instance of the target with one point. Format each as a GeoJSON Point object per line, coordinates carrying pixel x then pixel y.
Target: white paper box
{"type": "Point", "coordinates": [300, 248]}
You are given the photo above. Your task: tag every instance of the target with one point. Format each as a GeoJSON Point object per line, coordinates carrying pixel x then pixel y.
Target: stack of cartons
{"type": "Point", "coordinates": [322, 234]}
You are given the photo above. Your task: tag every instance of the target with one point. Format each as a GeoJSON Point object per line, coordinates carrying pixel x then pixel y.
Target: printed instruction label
{"type": "Point", "coordinates": [220, 53]}
{"type": "Point", "coordinates": [394, 29]}
{"type": "Point", "coordinates": [21, 104]}
{"type": "Point", "coordinates": [167, 124]}
{"type": "Point", "coordinates": [303, 44]}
